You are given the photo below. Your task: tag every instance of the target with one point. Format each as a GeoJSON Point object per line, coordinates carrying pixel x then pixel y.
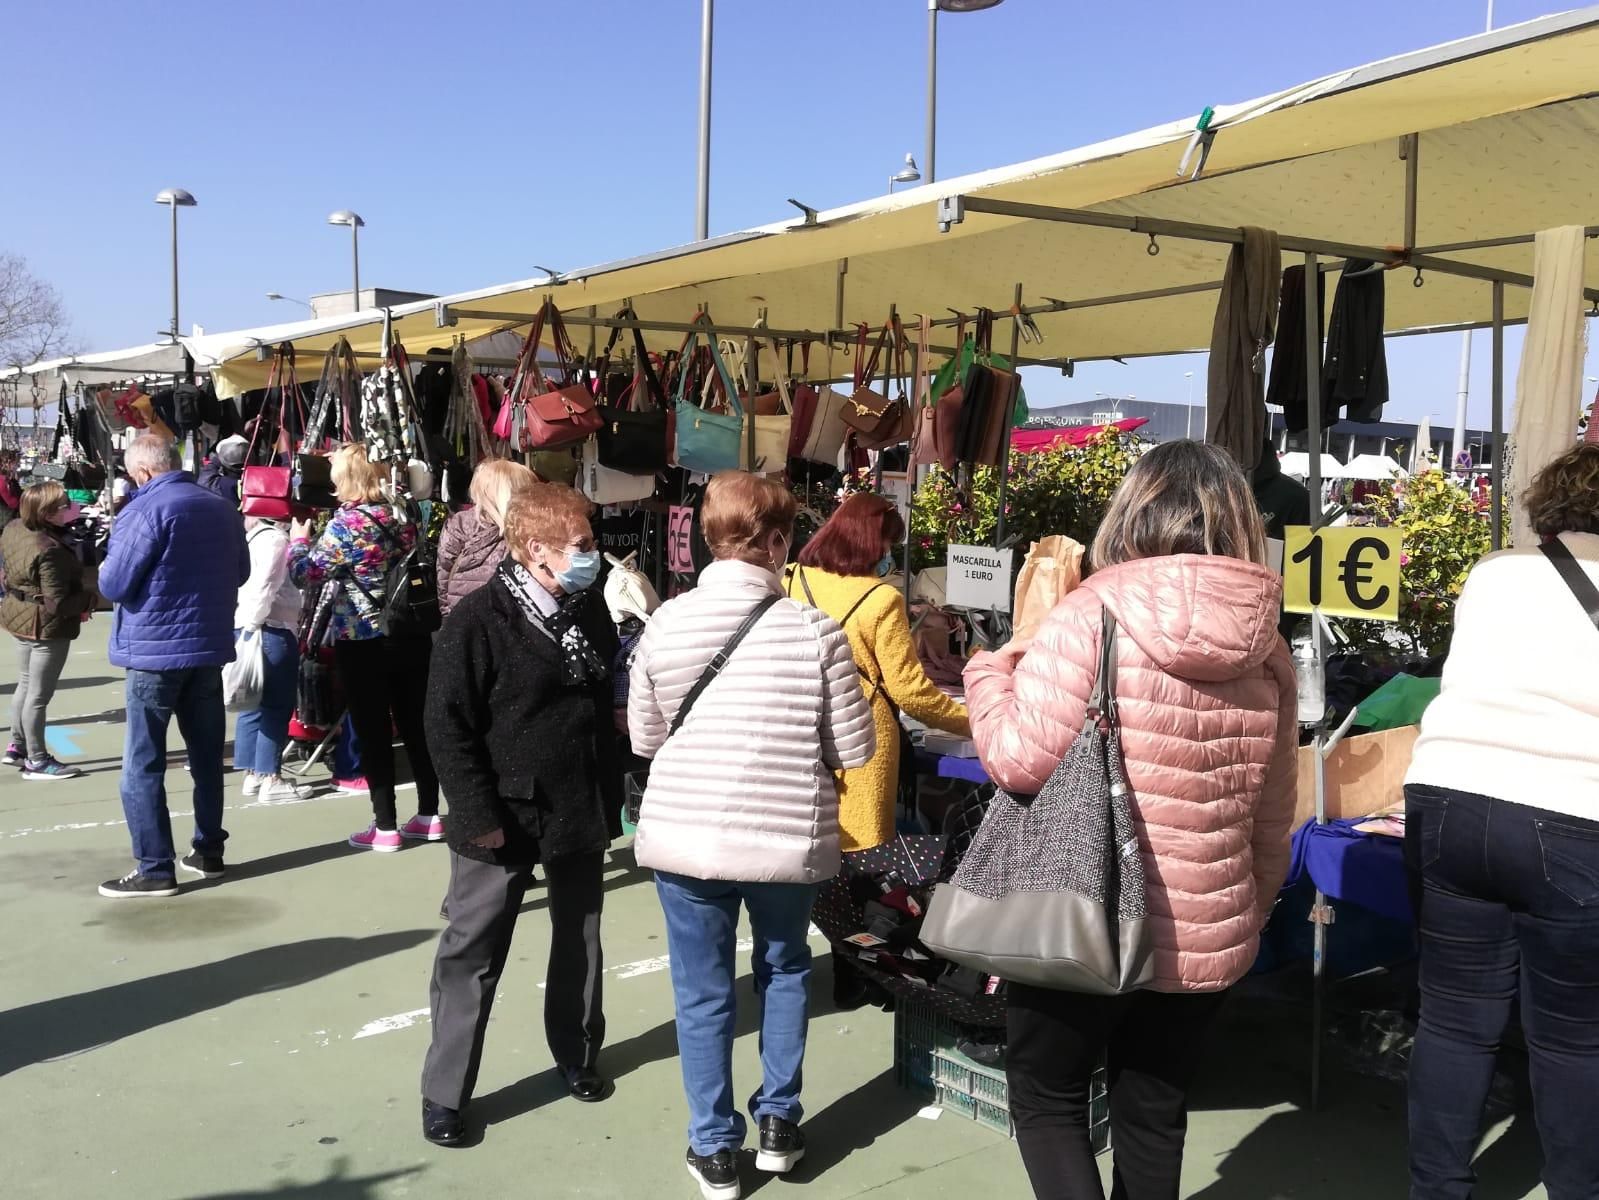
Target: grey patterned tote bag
{"type": "Point", "coordinates": [1052, 891]}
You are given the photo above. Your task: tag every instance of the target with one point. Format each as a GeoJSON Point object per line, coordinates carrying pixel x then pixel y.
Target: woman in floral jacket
{"type": "Point", "coordinates": [384, 678]}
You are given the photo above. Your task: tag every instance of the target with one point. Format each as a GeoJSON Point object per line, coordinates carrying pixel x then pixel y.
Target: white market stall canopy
{"type": "Point", "coordinates": [38, 383]}
{"type": "Point", "coordinates": [1372, 467]}
{"type": "Point", "coordinates": [1450, 157]}
{"type": "Point", "coordinates": [1297, 464]}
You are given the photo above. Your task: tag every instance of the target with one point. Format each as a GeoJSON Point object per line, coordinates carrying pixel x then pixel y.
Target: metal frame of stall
{"type": "Point", "coordinates": [956, 209]}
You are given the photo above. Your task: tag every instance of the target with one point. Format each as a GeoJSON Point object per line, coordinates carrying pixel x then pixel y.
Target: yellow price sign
{"type": "Point", "coordinates": [1345, 571]}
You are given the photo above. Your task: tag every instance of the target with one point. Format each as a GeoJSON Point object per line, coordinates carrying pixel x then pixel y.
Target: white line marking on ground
{"type": "Point", "coordinates": [188, 814]}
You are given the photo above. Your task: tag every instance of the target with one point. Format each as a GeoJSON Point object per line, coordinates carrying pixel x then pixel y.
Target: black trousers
{"type": "Point", "coordinates": [1510, 909]}
{"type": "Point", "coordinates": [1152, 1042]}
{"type": "Point", "coordinates": [385, 688]}
{"type": "Point", "coordinates": [484, 901]}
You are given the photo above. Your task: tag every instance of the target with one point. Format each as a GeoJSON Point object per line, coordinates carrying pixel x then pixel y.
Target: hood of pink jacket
{"type": "Point", "coordinates": [1196, 616]}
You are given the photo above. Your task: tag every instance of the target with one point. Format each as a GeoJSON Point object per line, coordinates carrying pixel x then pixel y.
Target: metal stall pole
{"type": "Point", "coordinates": [1321, 913]}
{"type": "Point", "coordinates": [702, 208]}
{"type": "Point", "coordinates": [751, 386]}
{"type": "Point", "coordinates": [1004, 452]}
{"type": "Point", "coordinates": [1496, 506]}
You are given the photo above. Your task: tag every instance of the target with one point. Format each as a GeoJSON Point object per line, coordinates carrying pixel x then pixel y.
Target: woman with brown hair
{"type": "Point", "coordinates": [1502, 820]}
{"type": "Point", "coordinates": [1206, 696]}
{"type": "Point", "coordinates": [747, 702]}
{"type": "Point", "coordinates": [520, 723]}
{"type": "Point", "coordinates": [46, 602]}
{"type": "Point", "coordinates": [385, 678]}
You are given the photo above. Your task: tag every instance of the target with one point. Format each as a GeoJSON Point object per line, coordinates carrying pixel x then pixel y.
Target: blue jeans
{"type": "Point", "coordinates": [194, 696]}
{"type": "Point", "coordinates": [261, 734]}
{"type": "Point", "coordinates": [1510, 909]}
{"type": "Point", "coordinates": [701, 932]}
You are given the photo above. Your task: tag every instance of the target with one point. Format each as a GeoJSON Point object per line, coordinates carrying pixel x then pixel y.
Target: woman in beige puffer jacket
{"type": "Point", "coordinates": [1205, 691]}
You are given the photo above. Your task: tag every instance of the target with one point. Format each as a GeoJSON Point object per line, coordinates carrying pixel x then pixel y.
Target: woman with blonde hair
{"type": "Point", "coordinates": [1502, 820]}
{"type": "Point", "coordinates": [473, 542]}
{"type": "Point", "coordinates": [1205, 692]}
{"type": "Point", "coordinates": [45, 604]}
{"type": "Point", "coordinates": [385, 678]}
{"type": "Point", "coordinates": [747, 702]}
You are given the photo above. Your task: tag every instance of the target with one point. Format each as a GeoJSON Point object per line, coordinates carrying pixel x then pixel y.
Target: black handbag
{"type": "Point", "coordinates": [313, 481]}
{"type": "Point", "coordinates": [635, 438]}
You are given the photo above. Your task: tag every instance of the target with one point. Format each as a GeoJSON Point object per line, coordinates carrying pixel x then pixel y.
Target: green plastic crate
{"type": "Point", "coordinates": [926, 1060]}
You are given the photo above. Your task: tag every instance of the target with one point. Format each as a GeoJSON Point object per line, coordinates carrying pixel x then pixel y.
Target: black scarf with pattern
{"type": "Point", "coordinates": [564, 627]}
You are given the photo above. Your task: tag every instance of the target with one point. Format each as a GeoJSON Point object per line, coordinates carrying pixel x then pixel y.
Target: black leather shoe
{"type": "Point", "coordinates": [586, 1084]}
{"type": "Point", "coordinates": [782, 1145]}
{"type": "Point", "coordinates": [442, 1126]}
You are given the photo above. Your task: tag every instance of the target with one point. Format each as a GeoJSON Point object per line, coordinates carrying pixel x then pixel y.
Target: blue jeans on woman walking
{"type": "Point", "coordinates": [262, 733]}
{"type": "Point", "coordinates": [701, 935]}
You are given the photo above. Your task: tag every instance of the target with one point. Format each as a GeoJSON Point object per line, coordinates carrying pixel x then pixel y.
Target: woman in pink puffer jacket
{"type": "Point", "coordinates": [1206, 695]}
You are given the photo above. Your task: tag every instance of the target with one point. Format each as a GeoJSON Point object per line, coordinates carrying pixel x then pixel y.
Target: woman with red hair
{"type": "Point", "coordinates": [841, 571]}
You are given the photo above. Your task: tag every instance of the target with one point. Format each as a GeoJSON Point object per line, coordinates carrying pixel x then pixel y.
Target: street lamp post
{"type": "Point", "coordinates": [1188, 412]}
{"type": "Point", "coordinates": [702, 208]}
{"type": "Point", "coordinates": [934, 7]}
{"type": "Point", "coordinates": [175, 198]}
{"type": "Point", "coordinates": [906, 174]}
{"type": "Point", "coordinates": [345, 217]}
{"type": "Point", "coordinates": [290, 299]}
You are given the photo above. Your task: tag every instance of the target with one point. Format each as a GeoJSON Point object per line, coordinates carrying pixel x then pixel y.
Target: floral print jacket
{"type": "Point", "coordinates": [353, 551]}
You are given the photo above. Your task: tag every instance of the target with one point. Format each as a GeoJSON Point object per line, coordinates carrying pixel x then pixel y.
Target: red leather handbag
{"type": "Point", "coordinates": [557, 415]}
{"type": "Point", "coordinates": [266, 490]}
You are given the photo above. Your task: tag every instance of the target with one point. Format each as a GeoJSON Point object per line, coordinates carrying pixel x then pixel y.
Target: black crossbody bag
{"type": "Point", "coordinates": [715, 667]}
{"type": "Point", "coordinates": [1576, 578]}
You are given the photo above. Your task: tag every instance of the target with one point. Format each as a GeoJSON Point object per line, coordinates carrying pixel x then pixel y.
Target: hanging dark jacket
{"type": "Point", "coordinates": [519, 747]}
{"type": "Point", "coordinates": [1289, 388]}
{"type": "Point", "coordinates": [1355, 375]}
{"type": "Point", "coordinates": [1246, 321]}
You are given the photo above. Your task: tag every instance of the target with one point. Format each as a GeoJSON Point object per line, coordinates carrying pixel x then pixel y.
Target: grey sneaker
{"type": "Point", "coordinates": [48, 770]}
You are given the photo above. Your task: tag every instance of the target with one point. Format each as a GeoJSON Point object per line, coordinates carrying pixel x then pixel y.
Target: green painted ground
{"type": "Point", "coordinates": [263, 1037]}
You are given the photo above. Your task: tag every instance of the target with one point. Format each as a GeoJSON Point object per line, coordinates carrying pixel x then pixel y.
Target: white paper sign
{"type": "Point", "coordinates": [979, 577]}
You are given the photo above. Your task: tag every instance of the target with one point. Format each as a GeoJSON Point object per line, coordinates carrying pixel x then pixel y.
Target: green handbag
{"type": "Point", "coordinates": [708, 441]}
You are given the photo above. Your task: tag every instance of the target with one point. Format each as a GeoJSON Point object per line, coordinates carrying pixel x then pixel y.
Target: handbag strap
{"type": "Point", "coordinates": [1558, 553]}
{"type": "Point", "coordinates": [1103, 698]}
{"type": "Point", "coordinates": [924, 374]}
{"type": "Point", "coordinates": [785, 389]}
{"type": "Point", "coordinates": [719, 662]}
{"type": "Point", "coordinates": [719, 365]}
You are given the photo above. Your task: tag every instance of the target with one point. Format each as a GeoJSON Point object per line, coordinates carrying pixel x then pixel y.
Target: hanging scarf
{"type": "Point", "coordinates": [564, 627]}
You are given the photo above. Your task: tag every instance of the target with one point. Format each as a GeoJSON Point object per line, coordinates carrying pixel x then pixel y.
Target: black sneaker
{"type": "Point", "coordinates": [134, 886]}
{"type": "Point", "coordinates": [717, 1174]}
{"type": "Point", "coordinates": [782, 1145]}
{"type": "Point", "coordinates": [206, 865]}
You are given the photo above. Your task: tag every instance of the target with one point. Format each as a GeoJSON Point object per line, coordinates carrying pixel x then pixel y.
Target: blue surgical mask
{"type": "Point", "coordinates": [886, 566]}
{"type": "Point", "coordinates": [582, 569]}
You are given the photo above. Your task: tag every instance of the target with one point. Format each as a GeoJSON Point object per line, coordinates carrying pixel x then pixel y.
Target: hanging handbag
{"type": "Point", "coordinates": [878, 420]}
{"type": "Point", "coordinates": [707, 441]}
{"type": "Point", "coordinates": [561, 415]}
{"type": "Point", "coordinates": [824, 438]}
{"type": "Point", "coordinates": [1052, 891]}
{"type": "Point", "coordinates": [266, 489]}
{"type": "Point", "coordinates": [924, 441]}
{"type": "Point", "coordinates": [1003, 386]}
{"type": "Point", "coordinates": [606, 485]}
{"type": "Point", "coordinates": [774, 428]}
{"type": "Point", "coordinates": [635, 435]}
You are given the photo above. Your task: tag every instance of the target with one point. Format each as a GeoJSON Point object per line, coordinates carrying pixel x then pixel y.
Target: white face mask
{"type": "Point", "coordinates": [779, 563]}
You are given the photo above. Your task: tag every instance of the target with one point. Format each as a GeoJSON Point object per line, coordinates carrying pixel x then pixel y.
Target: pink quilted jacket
{"type": "Point", "coordinates": [1206, 693]}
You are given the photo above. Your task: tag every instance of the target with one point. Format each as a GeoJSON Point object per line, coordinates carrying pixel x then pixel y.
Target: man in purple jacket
{"type": "Point", "coordinates": [173, 569]}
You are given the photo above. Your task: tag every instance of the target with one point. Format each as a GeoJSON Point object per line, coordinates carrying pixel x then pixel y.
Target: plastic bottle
{"type": "Point", "coordinates": [1312, 682]}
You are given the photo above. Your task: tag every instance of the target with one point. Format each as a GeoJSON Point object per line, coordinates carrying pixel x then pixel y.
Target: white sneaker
{"type": "Point", "coordinates": [252, 783]}
{"type": "Point", "coordinates": [282, 791]}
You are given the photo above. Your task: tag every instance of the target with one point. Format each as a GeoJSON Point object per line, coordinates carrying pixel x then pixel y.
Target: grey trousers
{"type": "Point", "coordinates": [38, 669]}
{"type": "Point", "coordinates": [484, 901]}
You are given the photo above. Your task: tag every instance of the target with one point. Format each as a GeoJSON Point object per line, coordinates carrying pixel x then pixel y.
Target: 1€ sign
{"type": "Point", "coordinates": [1345, 571]}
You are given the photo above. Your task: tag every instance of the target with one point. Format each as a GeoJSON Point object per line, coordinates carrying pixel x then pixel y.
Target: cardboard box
{"type": "Point", "coordinates": [1365, 775]}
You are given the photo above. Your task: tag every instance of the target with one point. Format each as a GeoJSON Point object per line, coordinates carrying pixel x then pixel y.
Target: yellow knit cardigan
{"type": "Point", "coordinates": [880, 634]}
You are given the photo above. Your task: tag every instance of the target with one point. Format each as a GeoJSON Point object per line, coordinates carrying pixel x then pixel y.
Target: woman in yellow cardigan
{"type": "Point", "coordinates": [841, 572]}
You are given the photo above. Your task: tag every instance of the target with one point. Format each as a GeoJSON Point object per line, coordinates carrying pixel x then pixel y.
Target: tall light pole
{"type": "Point", "coordinates": [702, 211]}
{"type": "Point", "coordinates": [934, 7]}
{"type": "Point", "coordinates": [345, 217]}
{"type": "Point", "coordinates": [1463, 394]}
{"type": "Point", "coordinates": [175, 198]}
{"type": "Point", "coordinates": [1188, 412]}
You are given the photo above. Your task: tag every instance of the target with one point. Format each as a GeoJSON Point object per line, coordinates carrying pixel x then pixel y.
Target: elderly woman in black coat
{"type": "Point", "coordinates": [519, 722]}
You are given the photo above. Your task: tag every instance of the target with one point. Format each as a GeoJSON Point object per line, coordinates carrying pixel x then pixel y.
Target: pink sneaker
{"type": "Point", "coordinates": [386, 841]}
{"type": "Point", "coordinates": [351, 787]}
{"type": "Point", "coordinates": [423, 829]}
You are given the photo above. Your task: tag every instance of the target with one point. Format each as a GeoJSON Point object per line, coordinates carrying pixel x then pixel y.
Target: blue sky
{"type": "Point", "coordinates": [484, 137]}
